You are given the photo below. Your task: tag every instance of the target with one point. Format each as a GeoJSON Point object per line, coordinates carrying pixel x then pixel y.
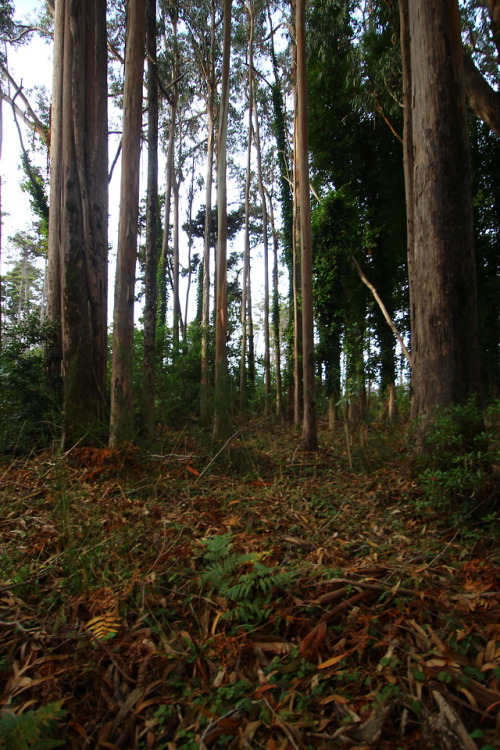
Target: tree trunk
{"type": "Point", "coordinates": [1, 222]}
{"type": "Point", "coordinates": [309, 429]}
{"type": "Point", "coordinates": [221, 412]}
{"type": "Point", "coordinates": [150, 285]}
{"type": "Point", "coordinates": [246, 248]}
{"type": "Point", "coordinates": [296, 281]}
{"type": "Point", "coordinates": [265, 240]}
{"type": "Point", "coordinates": [205, 410]}
{"type": "Point", "coordinates": [177, 317]}
{"type": "Point", "coordinates": [54, 252]}
{"type": "Point", "coordinates": [276, 315]}
{"type": "Point", "coordinates": [78, 241]}
{"type": "Point", "coordinates": [441, 255]}
{"type": "Point", "coordinates": [287, 209]}
{"type": "Point", "coordinates": [122, 397]}
{"type": "Point", "coordinates": [190, 246]}
{"type": "Point", "coordinates": [165, 260]}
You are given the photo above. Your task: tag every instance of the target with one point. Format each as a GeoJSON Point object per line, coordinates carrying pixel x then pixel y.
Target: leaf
{"type": "Point", "coordinates": [332, 661]}
{"type": "Point", "coordinates": [342, 700]}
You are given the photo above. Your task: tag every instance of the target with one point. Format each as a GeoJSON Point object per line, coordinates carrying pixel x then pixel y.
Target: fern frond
{"type": "Point", "coordinates": [103, 627]}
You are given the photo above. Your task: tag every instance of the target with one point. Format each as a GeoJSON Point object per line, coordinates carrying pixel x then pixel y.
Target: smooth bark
{"type": "Point", "coordinates": [152, 225]}
{"type": "Point", "coordinates": [309, 428]}
{"type": "Point", "coordinates": [265, 242]}
{"type": "Point", "coordinates": [122, 396]}
{"type": "Point", "coordinates": [221, 411]}
{"type": "Point", "coordinates": [245, 284]}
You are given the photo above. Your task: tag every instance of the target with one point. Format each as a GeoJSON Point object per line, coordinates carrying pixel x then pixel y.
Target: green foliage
{"type": "Point", "coordinates": [178, 385]}
{"type": "Point", "coordinates": [22, 284]}
{"type": "Point", "coordinates": [34, 185]}
{"type": "Point", "coordinates": [456, 465]}
{"type": "Point", "coordinates": [242, 578]}
{"type": "Point", "coordinates": [28, 411]}
{"type": "Point", "coordinates": [31, 730]}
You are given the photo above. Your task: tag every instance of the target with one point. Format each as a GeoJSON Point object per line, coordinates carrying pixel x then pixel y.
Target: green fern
{"type": "Point", "coordinates": [250, 591]}
{"type": "Point", "coordinates": [26, 731]}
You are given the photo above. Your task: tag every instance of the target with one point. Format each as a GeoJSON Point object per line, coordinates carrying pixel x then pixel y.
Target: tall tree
{"type": "Point", "coordinates": [440, 236]}
{"type": "Point", "coordinates": [204, 40]}
{"type": "Point", "coordinates": [265, 241]}
{"type": "Point", "coordinates": [122, 397]}
{"type": "Point", "coordinates": [221, 411]}
{"type": "Point", "coordinates": [309, 428]}
{"type": "Point", "coordinates": [152, 225]}
{"type": "Point", "coordinates": [245, 284]}
{"type": "Point", "coordinates": [165, 260]}
{"type": "Point", "coordinates": [79, 212]}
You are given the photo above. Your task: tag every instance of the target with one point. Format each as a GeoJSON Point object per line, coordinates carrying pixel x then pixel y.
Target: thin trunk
{"type": "Point", "coordinates": [150, 283]}
{"type": "Point", "coordinates": [276, 314]}
{"type": "Point", "coordinates": [297, 284]}
{"type": "Point", "coordinates": [251, 345]}
{"type": "Point", "coordinates": [221, 413]}
{"type": "Point", "coordinates": [1, 222]}
{"type": "Point", "coordinates": [164, 266]}
{"type": "Point", "coordinates": [122, 397]}
{"type": "Point", "coordinates": [287, 202]}
{"type": "Point", "coordinates": [177, 322]}
{"type": "Point", "coordinates": [190, 247]}
{"type": "Point", "coordinates": [205, 311]}
{"type": "Point", "coordinates": [265, 239]}
{"type": "Point", "coordinates": [246, 249]}
{"type": "Point", "coordinates": [309, 431]}
{"type": "Point", "coordinates": [54, 299]}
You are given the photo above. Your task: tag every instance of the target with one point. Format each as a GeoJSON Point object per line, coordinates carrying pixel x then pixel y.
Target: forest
{"type": "Point", "coordinates": [249, 376]}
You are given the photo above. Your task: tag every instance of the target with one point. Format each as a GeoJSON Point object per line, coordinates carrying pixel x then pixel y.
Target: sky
{"type": "Point", "coordinates": [30, 64]}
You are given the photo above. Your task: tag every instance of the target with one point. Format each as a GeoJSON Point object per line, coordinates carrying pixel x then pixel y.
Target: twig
{"type": "Point", "coordinates": [232, 437]}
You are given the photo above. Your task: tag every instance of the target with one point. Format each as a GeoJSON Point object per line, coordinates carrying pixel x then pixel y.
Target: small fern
{"type": "Point", "coordinates": [29, 731]}
{"type": "Point", "coordinates": [249, 591]}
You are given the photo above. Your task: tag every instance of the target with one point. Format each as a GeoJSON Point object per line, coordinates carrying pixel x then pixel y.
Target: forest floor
{"type": "Point", "coordinates": [264, 598]}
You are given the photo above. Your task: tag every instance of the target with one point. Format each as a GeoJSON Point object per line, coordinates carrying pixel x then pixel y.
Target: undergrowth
{"type": "Point", "coordinates": [161, 601]}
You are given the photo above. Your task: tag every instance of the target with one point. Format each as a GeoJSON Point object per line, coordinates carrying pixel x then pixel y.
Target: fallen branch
{"type": "Point", "coordinates": [383, 310]}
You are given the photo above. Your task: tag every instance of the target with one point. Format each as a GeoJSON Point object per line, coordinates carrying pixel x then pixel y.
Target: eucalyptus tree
{"type": "Point", "coordinates": [166, 266]}
{"type": "Point", "coordinates": [202, 22]}
{"type": "Point", "coordinates": [122, 397]}
{"type": "Point", "coordinates": [77, 272]}
{"type": "Point", "coordinates": [265, 241]}
{"type": "Point", "coordinates": [285, 179]}
{"type": "Point", "coordinates": [221, 410]}
{"type": "Point", "coordinates": [152, 229]}
{"type": "Point", "coordinates": [309, 427]}
{"type": "Point", "coordinates": [245, 285]}
{"type": "Point", "coordinates": [441, 264]}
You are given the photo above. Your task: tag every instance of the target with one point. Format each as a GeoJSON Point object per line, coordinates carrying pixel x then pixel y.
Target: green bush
{"type": "Point", "coordinates": [31, 730]}
{"type": "Point", "coordinates": [459, 460]}
{"type": "Point", "coordinates": [28, 409]}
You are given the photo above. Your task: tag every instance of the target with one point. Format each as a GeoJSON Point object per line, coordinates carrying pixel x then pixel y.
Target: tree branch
{"type": "Point", "coordinates": [383, 310]}
{"type": "Point", "coordinates": [32, 122]}
{"type": "Point", "coordinates": [483, 99]}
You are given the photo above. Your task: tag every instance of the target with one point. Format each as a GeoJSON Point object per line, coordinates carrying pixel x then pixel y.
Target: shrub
{"type": "Point", "coordinates": [458, 461]}
{"type": "Point", "coordinates": [28, 409]}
